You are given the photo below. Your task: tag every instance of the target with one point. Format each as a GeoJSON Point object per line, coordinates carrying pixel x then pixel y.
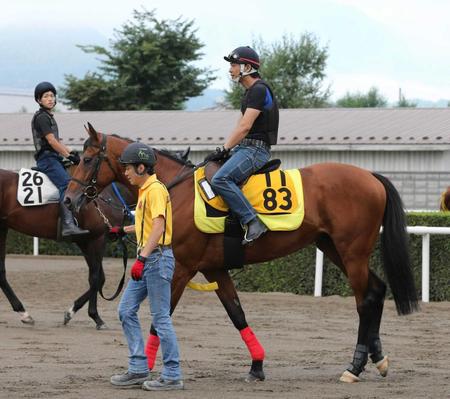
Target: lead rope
{"type": "Point", "coordinates": [124, 258]}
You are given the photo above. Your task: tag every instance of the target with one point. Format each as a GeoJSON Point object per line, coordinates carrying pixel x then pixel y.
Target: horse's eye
{"type": "Point", "coordinates": [87, 160]}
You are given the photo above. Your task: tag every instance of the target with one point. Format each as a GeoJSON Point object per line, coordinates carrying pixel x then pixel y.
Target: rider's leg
{"type": "Point", "coordinates": [53, 168]}
{"type": "Point", "coordinates": [244, 161]}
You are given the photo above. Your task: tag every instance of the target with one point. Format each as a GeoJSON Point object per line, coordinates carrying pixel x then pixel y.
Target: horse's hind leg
{"type": "Point", "coordinates": [369, 294]}
{"type": "Point", "coordinates": [230, 300]}
{"type": "Point", "coordinates": [377, 288]}
{"type": "Point", "coordinates": [4, 285]}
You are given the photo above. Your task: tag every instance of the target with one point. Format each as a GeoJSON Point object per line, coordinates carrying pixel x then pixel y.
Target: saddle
{"type": "Point", "coordinates": [212, 167]}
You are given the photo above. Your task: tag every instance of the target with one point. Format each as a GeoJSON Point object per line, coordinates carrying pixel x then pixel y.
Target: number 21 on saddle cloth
{"type": "Point", "coordinates": [277, 197]}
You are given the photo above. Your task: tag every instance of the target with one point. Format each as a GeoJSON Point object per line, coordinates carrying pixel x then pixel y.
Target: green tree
{"type": "Point", "coordinates": [372, 98]}
{"type": "Point", "coordinates": [295, 69]}
{"type": "Point", "coordinates": [148, 66]}
{"type": "Point", "coordinates": [404, 103]}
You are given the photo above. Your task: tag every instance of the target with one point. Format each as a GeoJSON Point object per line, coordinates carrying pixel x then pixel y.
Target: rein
{"type": "Point", "coordinates": [182, 176]}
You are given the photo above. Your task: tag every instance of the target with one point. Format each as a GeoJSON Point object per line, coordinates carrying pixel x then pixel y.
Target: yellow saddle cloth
{"type": "Point", "coordinates": [277, 197]}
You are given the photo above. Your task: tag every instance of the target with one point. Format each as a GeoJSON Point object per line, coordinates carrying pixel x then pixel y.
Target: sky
{"type": "Point", "coordinates": [390, 44]}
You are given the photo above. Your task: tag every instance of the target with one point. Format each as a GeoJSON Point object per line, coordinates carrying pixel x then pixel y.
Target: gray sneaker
{"type": "Point", "coordinates": [128, 379]}
{"type": "Point", "coordinates": [162, 385]}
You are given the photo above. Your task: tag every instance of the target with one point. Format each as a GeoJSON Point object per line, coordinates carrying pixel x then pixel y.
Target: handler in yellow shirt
{"type": "Point", "coordinates": [151, 274]}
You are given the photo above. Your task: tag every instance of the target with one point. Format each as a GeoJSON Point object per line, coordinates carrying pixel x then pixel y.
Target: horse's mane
{"type": "Point", "coordinates": [173, 155]}
{"type": "Point", "coordinates": [87, 143]}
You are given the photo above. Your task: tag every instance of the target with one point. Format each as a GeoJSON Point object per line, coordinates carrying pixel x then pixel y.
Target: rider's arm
{"type": "Point", "coordinates": [158, 225]}
{"type": "Point", "coordinates": [59, 147]}
{"type": "Point", "coordinates": [129, 229]}
{"type": "Point", "coordinates": [243, 127]}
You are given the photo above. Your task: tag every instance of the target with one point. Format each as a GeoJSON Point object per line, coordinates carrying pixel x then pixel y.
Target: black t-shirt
{"type": "Point", "coordinates": [265, 127]}
{"type": "Point", "coordinates": [42, 124]}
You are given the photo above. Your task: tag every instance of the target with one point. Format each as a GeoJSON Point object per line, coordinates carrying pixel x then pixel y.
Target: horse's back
{"type": "Point", "coordinates": [342, 193]}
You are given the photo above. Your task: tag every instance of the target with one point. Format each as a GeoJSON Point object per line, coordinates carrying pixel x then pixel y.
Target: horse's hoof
{"type": "Point", "coordinates": [27, 319]}
{"type": "Point", "coordinates": [349, 377]}
{"type": "Point", "coordinates": [254, 376]}
{"type": "Point", "coordinates": [67, 317]}
{"type": "Point", "coordinates": [101, 326]}
{"type": "Point", "coordinates": [383, 366]}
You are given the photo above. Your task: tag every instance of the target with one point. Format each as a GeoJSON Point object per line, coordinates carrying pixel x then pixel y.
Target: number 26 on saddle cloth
{"type": "Point", "coordinates": [277, 197]}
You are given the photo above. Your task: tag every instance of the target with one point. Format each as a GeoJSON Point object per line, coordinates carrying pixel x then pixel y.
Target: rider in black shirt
{"type": "Point", "coordinates": [249, 142]}
{"type": "Point", "coordinates": [49, 153]}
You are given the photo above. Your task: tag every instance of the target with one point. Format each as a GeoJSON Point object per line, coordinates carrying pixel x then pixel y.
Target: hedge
{"type": "Point", "coordinates": [18, 243]}
{"type": "Point", "coordinates": [295, 273]}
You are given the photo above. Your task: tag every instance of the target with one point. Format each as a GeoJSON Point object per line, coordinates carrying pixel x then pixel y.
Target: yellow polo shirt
{"type": "Point", "coordinates": [153, 201]}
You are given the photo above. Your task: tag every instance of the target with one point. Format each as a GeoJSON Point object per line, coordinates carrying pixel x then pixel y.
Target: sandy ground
{"type": "Point", "coordinates": [308, 343]}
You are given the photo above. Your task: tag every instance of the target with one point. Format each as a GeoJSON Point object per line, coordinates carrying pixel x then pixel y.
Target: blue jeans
{"type": "Point", "coordinates": [244, 161]}
{"type": "Point", "coordinates": [49, 163]}
{"type": "Point", "coordinates": [156, 285]}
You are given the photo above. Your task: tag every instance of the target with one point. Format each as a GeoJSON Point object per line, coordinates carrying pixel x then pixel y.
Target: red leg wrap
{"type": "Point", "coordinates": [151, 349]}
{"type": "Point", "coordinates": [255, 348]}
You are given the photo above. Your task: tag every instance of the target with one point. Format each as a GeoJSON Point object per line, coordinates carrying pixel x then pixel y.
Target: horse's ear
{"type": "Point", "coordinates": [185, 154]}
{"type": "Point", "coordinates": [92, 133]}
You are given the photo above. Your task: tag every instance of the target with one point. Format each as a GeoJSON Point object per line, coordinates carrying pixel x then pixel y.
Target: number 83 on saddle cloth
{"type": "Point", "coordinates": [277, 197]}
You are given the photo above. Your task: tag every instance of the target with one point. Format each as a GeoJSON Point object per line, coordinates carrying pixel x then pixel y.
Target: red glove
{"type": "Point", "coordinates": [138, 268]}
{"type": "Point", "coordinates": [116, 232]}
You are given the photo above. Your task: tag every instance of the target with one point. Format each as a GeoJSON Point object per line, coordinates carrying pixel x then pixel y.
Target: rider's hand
{"type": "Point", "coordinates": [138, 268]}
{"type": "Point", "coordinates": [219, 154]}
{"type": "Point", "coordinates": [116, 232]}
{"type": "Point", "coordinates": [74, 157]}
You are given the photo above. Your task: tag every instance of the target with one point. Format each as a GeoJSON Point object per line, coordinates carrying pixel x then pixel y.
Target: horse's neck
{"type": "Point", "coordinates": [170, 171]}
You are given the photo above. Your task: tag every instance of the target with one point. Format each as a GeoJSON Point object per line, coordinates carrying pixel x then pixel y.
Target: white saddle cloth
{"type": "Point", "coordinates": [35, 188]}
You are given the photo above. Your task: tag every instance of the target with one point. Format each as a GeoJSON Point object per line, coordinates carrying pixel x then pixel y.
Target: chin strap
{"type": "Point", "coordinates": [242, 73]}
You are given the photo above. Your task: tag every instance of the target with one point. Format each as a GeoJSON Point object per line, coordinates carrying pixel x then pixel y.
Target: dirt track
{"type": "Point", "coordinates": [308, 343]}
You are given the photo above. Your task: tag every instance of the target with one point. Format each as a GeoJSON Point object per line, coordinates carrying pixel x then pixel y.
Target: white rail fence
{"type": "Point", "coordinates": [424, 231]}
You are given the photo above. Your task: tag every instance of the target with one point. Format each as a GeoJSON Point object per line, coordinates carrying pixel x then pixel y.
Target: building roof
{"type": "Point", "coordinates": [299, 128]}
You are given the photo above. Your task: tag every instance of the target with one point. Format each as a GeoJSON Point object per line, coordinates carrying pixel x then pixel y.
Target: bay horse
{"type": "Point", "coordinates": [41, 221]}
{"type": "Point", "coordinates": [345, 206]}
{"type": "Point", "coordinates": [444, 204]}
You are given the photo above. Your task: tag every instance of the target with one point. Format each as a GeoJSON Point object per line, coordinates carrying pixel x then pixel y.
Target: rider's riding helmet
{"type": "Point", "coordinates": [244, 55]}
{"type": "Point", "coordinates": [42, 88]}
{"type": "Point", "coordinates": [137, 153]}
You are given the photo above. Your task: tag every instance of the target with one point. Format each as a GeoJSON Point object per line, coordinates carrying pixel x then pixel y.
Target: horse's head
{"type": "Point", "coordinates": [444, 204]}
{"type": "Point", "coordinates": [98, 167]}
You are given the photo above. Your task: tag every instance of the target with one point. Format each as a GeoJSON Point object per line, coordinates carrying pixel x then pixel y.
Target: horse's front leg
{"type": "Point", "coordinates": [4, 285]}
{"type": "Point", "coordinates": [230, 300]}
{"type": "Point", "coordinates": [93, 253]}
{"type": "Point", "coordinates": [181, 277]}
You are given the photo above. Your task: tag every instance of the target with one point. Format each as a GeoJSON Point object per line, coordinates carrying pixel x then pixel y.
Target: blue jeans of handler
{"type": "Point", "coordinates": [244, 161]}
{"type": "Point", "coordinates": [50, 164]}
{"type": "Point", "coordinates": [156, 285]}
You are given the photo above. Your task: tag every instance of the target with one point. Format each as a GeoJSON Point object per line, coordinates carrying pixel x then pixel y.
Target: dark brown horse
{"type": "Point", "coordinates": [345, 207]}
{"type": "Point", "coordinates": [41, 221]}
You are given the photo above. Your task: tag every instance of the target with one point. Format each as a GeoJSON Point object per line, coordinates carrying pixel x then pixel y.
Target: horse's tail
{"type": "Point", "coordinates": [395, 251]}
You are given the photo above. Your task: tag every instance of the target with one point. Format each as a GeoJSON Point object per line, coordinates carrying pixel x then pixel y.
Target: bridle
{"type": "Point", "coordinates": [90, 189]}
